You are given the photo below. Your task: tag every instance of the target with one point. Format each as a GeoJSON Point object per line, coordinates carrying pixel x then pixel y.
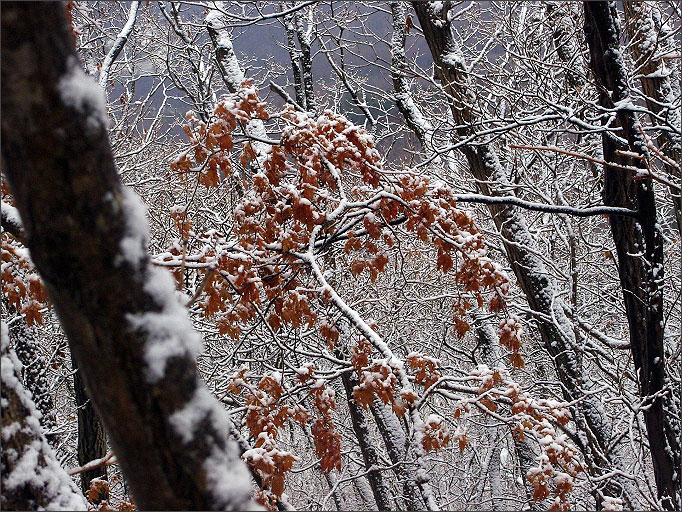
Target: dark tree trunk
{"type": "Point", "coordinates": [26, 346]}
{"type": "Point", "coordinates": [639, 246]}
{"type": "Point", "coordinates": [92, 440]}
{"type": "Point", "coordinates": [129, 336]}
{"type": "Point", "coordinates": [658, 87]}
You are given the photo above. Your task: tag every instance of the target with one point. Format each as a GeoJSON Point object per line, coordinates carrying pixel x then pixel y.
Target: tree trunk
{"type": "Point", "coordinates": [92, 440]}
{"type": "Point", "coordinates": [34, 372]}
{"type": "Point", "coordinates": [639, 246]}
{"type": "Point", "coordinates": [32, 479]}
{"type": "Point", "coordinates": [130, 337]}
{"type": "Point", "coordinates": [232, 73]}
{"type": "Point", "coordinates": [661, 90]}
{"type": "Point", "coordinates": [304, 35]}
{"type": "Point", "coordinates": [295, 56]}
{"type": "Point", "coordinates": [369, 454]}
{"type": "Point", "coordinates": [393, 435]}
{"type": "Point", "coordinates": [489, 345]}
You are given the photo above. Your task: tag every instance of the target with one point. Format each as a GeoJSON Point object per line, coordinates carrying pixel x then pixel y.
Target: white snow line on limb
{"type": "Point", "coordinates": [115, 50]}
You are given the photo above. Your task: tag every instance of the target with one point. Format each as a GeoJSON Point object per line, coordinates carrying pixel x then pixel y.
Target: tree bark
{"type": "Point", "coordinates": [295, 56]}
{"type": "Point", "coordinates": [639, 246]}
{"type": "Point", "coordinates": [128, 334]}
{"type": "Point", "coordinates": [303, 34]}
{"type": "Point", "coordinates": [92, 440]}
{"type": "Point", "coordinates": [661, 90]}
{"type": "Point", "coordinates": [369, 454]}
{"type": "Point", "coordinates": [32, 479]}
{"type": "Point", "coordinates": [34, 371]}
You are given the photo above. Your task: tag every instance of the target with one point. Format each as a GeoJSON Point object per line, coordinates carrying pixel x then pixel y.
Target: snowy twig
{"type": "Point", "coordinates": [549, 208]}
{"type": "Point", "coordinates": [285, 96]}
{"type": "Point", "coordinates": [613, 165]}
{"type": "Point", "coordinates": [107, 460]}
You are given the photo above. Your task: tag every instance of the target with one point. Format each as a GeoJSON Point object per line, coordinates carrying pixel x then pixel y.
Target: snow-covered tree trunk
{"type": "Point", "coordinates": [531, 273]}
{"type": "Point", "coordinates": [661, 88]}
{"type": "Point", "coordinates": [295, 56]}
{"type": "Point", "coordinates": [393, 435]}
{"type": "Point", "coordinates": [32, 479]}
{"type": "Point", "coordinates": [404, 100]}
{"type": "Point", "coordinates": [639, 245]}
{"type": "Point", "coordinates": [92, 441]}
{"type": "Point", "coordinates": [489, 345]}
{"type": "Point", "coordinates": [26, 342]}
{"type": "Point", "coordinates": [87, 235]}
{"type": "Point", "coordinates": [231, 71]}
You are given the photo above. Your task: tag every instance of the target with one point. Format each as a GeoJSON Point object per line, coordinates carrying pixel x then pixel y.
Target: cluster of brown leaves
{"type": "Point", "coordinates": [267, 413]}
{"type": "Point", "coordinates": [211, 144]}
{"type": "Point", "coordinates": [509, 331]}
{"type": "Point", "coordinates": [265, 416]}
{"type": "Point", "coordinates": [377, 379]}
{"type": "Point", "coordinates": [21, 284]}
{"type": "Point", "coordinates": [294, 193]}
{"type": "Point", "coordinates": [99, 489]}
{"type": "Point", "coordinates": [436, 434]}
{"type": "Point", "coordinates": [426, 367]}
{"type": "Point", "coordinates": [327, 440]}
{"type": "Point", "coordinates": [558, 462]}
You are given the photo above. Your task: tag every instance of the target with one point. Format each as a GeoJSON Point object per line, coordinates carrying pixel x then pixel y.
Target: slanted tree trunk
{"type": "Point", "coordinates": [639, 246]}
{"type": "Point", "coordinates": [32, 479]}
{"type": "Point", "coordinates": [393, 435]}
{"type": "Point", "coordinates": [231, 71]}
{"type": "Point", "coordinates": [130, 337]}
{"type": "Point", "coordinates": [404, 100]}
{"type": "Point", "coordinates": [369, 455]}
{"type": "Point", "coordinates": [532, 276]}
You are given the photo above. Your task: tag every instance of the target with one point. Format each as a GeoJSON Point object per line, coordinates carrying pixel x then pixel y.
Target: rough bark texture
{"type": "Point", "coordinates": [389, 427]}
{"type": "Point", "coordinates": [26, 346]}
{"type": "Point", "coordinates": [532, 276]}
{"type": "Point", "coordinates": [304, 31]}
{"type": "Point", "coordinates": [639, 246]}
{"type": "Point", "coordinates": [31, 476]}
{"type": "Point", "coordinates": [403, 95]}
{"type": "Point", "coordinates": [295, 56]}
{"type": "Point", "coordinates": [61, 172]}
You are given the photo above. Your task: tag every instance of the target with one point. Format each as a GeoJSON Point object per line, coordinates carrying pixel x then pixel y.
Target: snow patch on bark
{"type": "Point", "coordinates": [168, 332]}
{"type": "Point", "coordinates": [82, 93]}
